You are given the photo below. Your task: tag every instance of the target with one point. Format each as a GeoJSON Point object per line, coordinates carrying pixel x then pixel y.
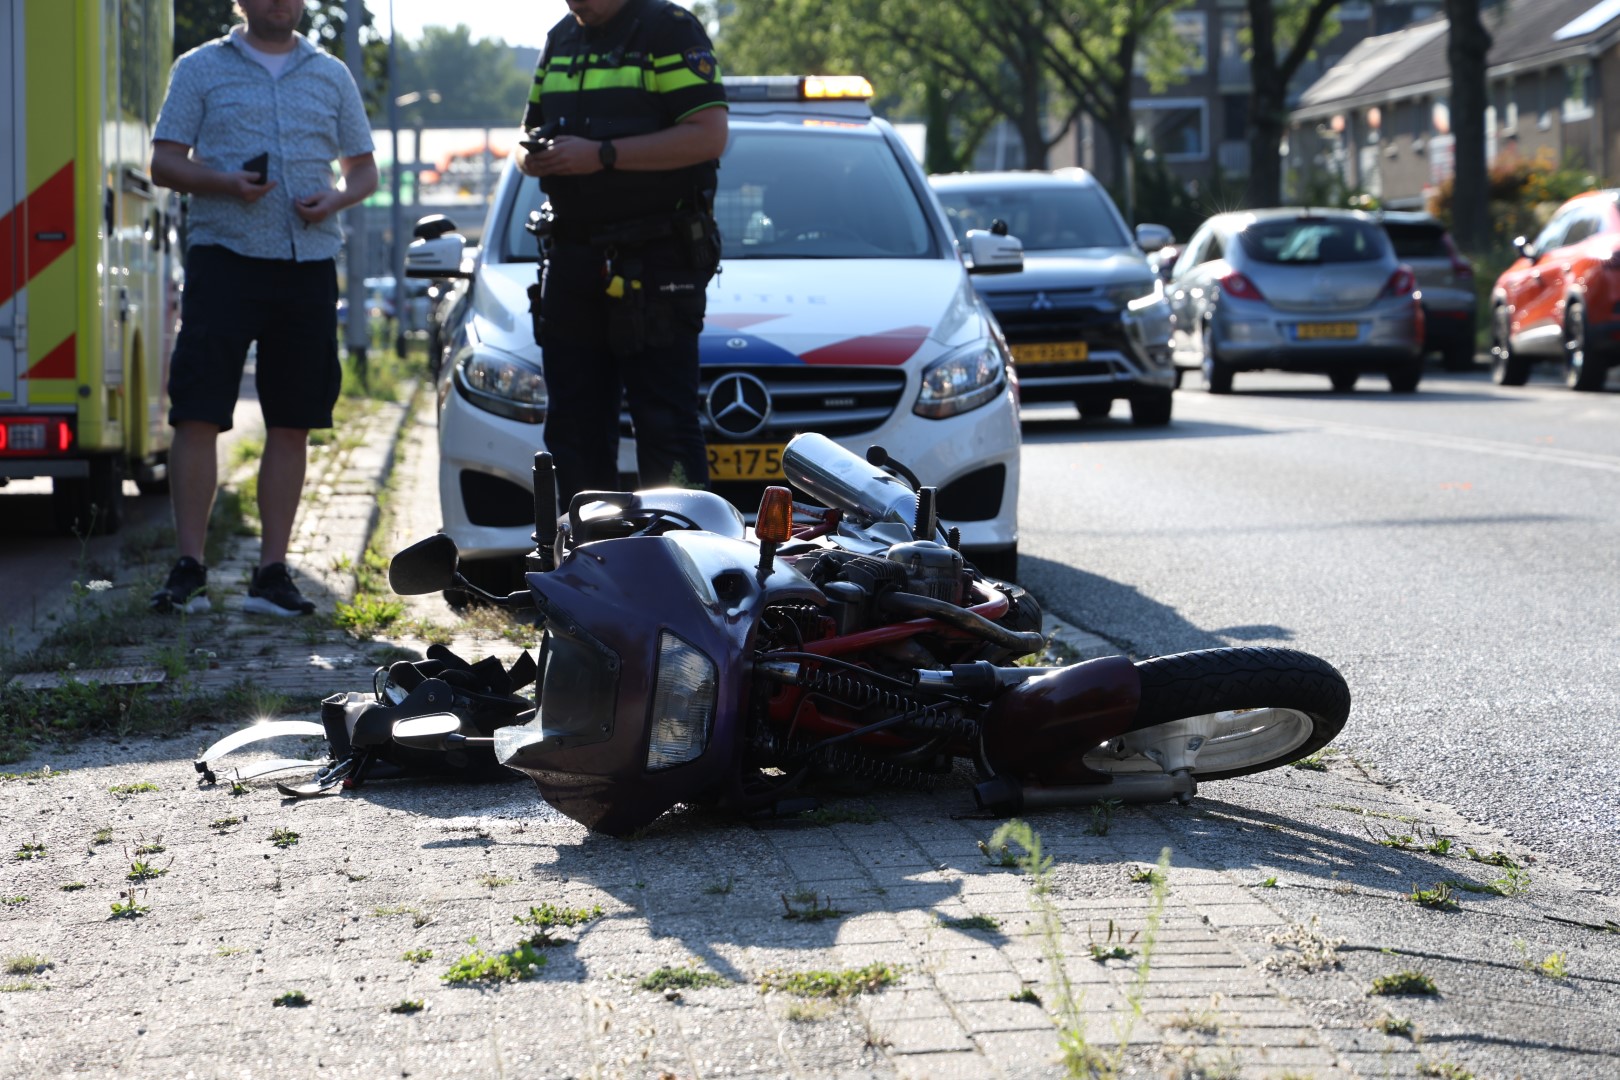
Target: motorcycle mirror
{"type": "Point", "coordinates": [427, 732]}
{"type": "Point", "coordinates": [427, 566]}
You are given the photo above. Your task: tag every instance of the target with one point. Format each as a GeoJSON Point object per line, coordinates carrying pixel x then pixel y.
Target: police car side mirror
{"type": "Point", "coordinates": [439, 257]}
{"type": "Point", "coordinates": [989, 253]}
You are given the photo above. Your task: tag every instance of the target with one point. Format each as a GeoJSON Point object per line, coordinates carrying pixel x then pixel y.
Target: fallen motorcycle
{"type": "Point", "coordinates": [684, 658]}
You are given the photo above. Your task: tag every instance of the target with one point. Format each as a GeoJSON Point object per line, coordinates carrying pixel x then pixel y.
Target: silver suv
{"type": "Point", "coordinates": [1086, 319]}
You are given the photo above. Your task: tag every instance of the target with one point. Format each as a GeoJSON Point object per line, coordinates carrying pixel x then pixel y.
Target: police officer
{"type": "Point", "coordinates": [626, 122]}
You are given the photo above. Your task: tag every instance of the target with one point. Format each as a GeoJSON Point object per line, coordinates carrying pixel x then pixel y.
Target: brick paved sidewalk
{"type": "Point", "coordinates": [1254, 956]}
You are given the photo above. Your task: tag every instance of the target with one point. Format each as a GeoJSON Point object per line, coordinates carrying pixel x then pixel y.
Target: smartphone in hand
{"type": "Point", "coordinates": [259, 167]}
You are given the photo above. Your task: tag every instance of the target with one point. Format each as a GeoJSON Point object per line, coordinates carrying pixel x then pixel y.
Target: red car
{"type": "Point", "coordinates": [1561, 299]}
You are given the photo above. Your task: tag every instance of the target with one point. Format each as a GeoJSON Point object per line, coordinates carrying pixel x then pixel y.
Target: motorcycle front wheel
{"type": "Point", "coordinates": [1252, 709]}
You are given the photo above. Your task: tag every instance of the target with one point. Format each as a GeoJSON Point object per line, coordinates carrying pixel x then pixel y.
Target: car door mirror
{"type": "Point", "coordinates": [438, 257]}
{"type": "Point", "coordinates": [989, 253]}
{"type": "Point", "coordinates": [1525, 248]}
{"type": "Point", "coordinates": [1154, 237]}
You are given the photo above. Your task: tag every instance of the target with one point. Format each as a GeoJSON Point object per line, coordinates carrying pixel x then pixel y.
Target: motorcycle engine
{"type": "Point", "coordinates": [932, 569]}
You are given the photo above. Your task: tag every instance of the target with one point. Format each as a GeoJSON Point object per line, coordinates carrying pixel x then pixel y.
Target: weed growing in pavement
{"type": "Point", "coordinates": [30, 849]}
{"type": "Point", "coordinates": [418, 956]}
{"type": "Point", "coordinates": [1495, 858]}
{"type": "Point", "coordinates": [1202, 1021]}
{"type": "Point", "coordinates": [292, 999]}
{"type": "Point", "coordinates": [20, 987]}
{"type": "Point", "coordinates": [834, 985]}
{"type": "Point", "coordinates": [1413, 983]}
{"type": "Point", "coordinates": [1400, 1027]}
{"type": "Point", "coordinates": [547, 919]}
{"type": "Point", "coordinates": [239, 788]}
{"type": "Point", "coordinates": [224, 823]}
{"type": "Point", "coordinates": [1309, 950]}
{"type": "Point", "coordinates": [1102, 816]}
{"type": "Point", "coordinates": [71, 886]}
{"type": "Point", "coordinates": [103, 835]}
{"type": "Point", "coordinates": [368, 616]}
{"type": "Point", "coordinates": [808, 1011]}
{"type": "Point", "coordinates": [283, 838]}
{"type": "Point", "coordinates": [493, 880]}
{"type": "Point", "coordinates": [1268, 883]}
{"type": "Point", "coordinates": [971, 922]}
{"type": "Point", "coordinates": [44, 772]}
{"type": "Point", "coordinates": [1316, 762]}
{"type": "Point", "coordinates": [150, 847]}
{"type": "Point", "coordinates": [230, 950]}
{"type": "Point", "coordinates": [1081, 1058]}
{"type": "Point", "coordinates": [1000, 855]}
{"type": "Point", "coordinates": [128, 905]}
{"type": "Point", "coordinates": [805, 907]}
{"type": "Point", "coordinates": [141, 870]}
{"type": "Point", "coordinates": [13, 901]}
{"type": "Point", "coordinates": [522, 962]}
{"type": "Point", "coordinates": [1444, 1070]}
{"type": "Point", "coordinates": [419, 918]}
{"type": "Point", "coordinates": [1025, 996]}
{"type": "Point", "coordinates": [1515, 882]}
{"type": "Point", "coordinates": [1115, 945]}
{"type": "Point", "coordinates": [666, 979]}
{"type": "Point", "coordinates": [1553, 965]}
{"type": "Point", "coordinates": [720, 888]}
{"type": "Point", "coordinates": [1438, 898]}
{"type": "Point", "coordinates": [407, 1006]}
{"type": "Point", "coordinates": [139, 787]}
{"type": "Point", "coordinates": [27, 964]}
{"type": "Point", "coordinates": [1146, 875]}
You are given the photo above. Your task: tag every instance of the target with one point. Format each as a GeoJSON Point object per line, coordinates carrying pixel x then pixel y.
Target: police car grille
{"type": "Point", "coordinates": [831, 400]}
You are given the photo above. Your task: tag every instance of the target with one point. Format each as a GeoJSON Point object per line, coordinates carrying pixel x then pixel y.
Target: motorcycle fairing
{"type": "Point", "coordinates": [702, 587]}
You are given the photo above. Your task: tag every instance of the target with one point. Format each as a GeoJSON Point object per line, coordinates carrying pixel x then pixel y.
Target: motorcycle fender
{"type": "Point", "coordinates": [1041, 729]}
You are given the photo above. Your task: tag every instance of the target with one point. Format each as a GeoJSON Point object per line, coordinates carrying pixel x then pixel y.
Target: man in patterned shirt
{"type": "Point", "coordinates": [627, 120]}
{"type": "Point", "coordinates": [249, 129]}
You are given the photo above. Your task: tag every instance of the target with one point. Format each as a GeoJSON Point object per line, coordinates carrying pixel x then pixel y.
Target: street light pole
{"type": "Point", "coordinates": [357, 328]}
{"type": "Point", "coordinates": [398, 212]}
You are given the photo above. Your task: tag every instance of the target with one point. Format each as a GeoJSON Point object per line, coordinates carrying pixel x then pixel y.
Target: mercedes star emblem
{"type": "Point", "coordinates": [738, 404]}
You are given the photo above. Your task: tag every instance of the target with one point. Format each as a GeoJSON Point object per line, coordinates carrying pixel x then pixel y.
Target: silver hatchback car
{"type": "Point", "coordinates": [1295, 289]}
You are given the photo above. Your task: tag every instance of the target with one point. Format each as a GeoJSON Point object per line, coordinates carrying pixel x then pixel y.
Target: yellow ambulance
{"type": "Point", "coordinates": [89, 253]}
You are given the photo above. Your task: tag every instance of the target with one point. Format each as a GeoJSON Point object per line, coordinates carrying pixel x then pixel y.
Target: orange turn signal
{"type": "Point", "coordinates": [775, 522]}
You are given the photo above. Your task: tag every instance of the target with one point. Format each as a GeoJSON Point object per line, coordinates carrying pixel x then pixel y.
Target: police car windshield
{"type": "Point", "coordinates": [798, 194]}
{"type": "Point", "coordinates": [1045, 219]}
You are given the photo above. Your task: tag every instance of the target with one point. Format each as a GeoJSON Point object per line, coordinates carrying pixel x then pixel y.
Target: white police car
{"type": "Point", "coordinates": [843, 306]}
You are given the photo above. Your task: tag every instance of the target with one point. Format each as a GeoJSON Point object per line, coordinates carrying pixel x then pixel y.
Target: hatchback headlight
{"type": "Point", "coordinates": [503, 384]}
{"type": "Point", "coordinates": [962, 381]}
{"type": "Point", "coordinates": [683, 703]}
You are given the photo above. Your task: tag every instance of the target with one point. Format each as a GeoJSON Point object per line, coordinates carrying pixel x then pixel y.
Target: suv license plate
{"type": "Point", "coordinates": [1336, 330]}
{"type": "Point", "coordinates": [745, 461]}
{"type": "Point", "coordinates": [1049, 352]}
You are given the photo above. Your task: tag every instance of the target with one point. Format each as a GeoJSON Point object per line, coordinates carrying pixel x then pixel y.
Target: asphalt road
{"type": "Point", "coordinates": [1456, 553]}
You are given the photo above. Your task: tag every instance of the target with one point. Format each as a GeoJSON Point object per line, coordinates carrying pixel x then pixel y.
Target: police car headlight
{"type": "Point", "coordinates": [683, 703]}
{"type": "Point", "coordinates": [503, 384]}
{"type": "Point", "coordinates": [962, 381]}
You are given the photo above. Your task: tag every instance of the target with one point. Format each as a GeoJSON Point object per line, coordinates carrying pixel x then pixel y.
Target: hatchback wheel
{"type": "Point", "coordinates": [1585, 371]}
{"type": "Point", "coordinates": [1217, 376]}
{"type": "Point", "coordinates": [1404, 380]}
{"type": "Point", "coordinates": [1508, 368]}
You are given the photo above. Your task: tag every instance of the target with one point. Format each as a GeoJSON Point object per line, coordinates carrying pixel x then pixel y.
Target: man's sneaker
{"type": "Point", "coordinates": [273, 593]}
{"type": "Point", "coordinates": [186, 589]}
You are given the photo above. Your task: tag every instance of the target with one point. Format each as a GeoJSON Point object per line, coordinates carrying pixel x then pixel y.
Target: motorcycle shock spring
{"type": "Point", "coordinates": [858, 693]}
{"type": "Point", "coordinates": [860, 766]}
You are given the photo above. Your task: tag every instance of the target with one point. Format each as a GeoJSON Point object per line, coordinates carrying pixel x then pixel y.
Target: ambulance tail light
{"type": "Point", "coordinates": [35, 436]}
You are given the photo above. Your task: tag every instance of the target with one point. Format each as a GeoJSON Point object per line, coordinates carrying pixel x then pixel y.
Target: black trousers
{"type": "Point", "coordinates": [641, 349]}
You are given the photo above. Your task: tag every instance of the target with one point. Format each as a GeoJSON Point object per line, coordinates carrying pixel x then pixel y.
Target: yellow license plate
{"type": "Point", "coordinates": [1049, 352]}
{"type": "Point", "coordinates": [745, 461]}
{"type": "Point", "coordinates": [1336, 330]}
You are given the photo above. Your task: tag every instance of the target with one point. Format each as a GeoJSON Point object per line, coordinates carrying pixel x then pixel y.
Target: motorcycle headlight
{"type": "Point", "coordinates": [961, 381]}
{"type": "Point", "coordinates": [683, 703]}
{"type": "Point", "coordinates": [1126, 291]}
{"type": "Point", "coordinates": [503, 384]}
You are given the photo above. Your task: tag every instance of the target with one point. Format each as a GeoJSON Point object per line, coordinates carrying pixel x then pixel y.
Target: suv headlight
{"type": "Point", "coordinates": [1126, 291]}
{"type": "Point", "coordinates": [1148, 320]}
{"type": "Point", "coordinates": [503, 384]}
{"type": "Point", "coordinates": [683, 703]}
{"type": "Point", "coordinates": [962, 381]}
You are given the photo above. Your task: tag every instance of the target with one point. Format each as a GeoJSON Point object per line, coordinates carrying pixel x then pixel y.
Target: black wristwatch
{"type": "Point", "coordinates": [607, 153]}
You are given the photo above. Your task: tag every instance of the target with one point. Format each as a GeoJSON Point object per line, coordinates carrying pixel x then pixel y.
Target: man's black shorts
{"type": "Point", "coordinates": [288, 307]}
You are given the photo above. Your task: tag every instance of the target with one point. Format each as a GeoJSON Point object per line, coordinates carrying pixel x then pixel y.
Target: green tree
{"type": "Point", "coordinates": [1291, 27]}
{"type": "Point", "coordinates": [476, 82]}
